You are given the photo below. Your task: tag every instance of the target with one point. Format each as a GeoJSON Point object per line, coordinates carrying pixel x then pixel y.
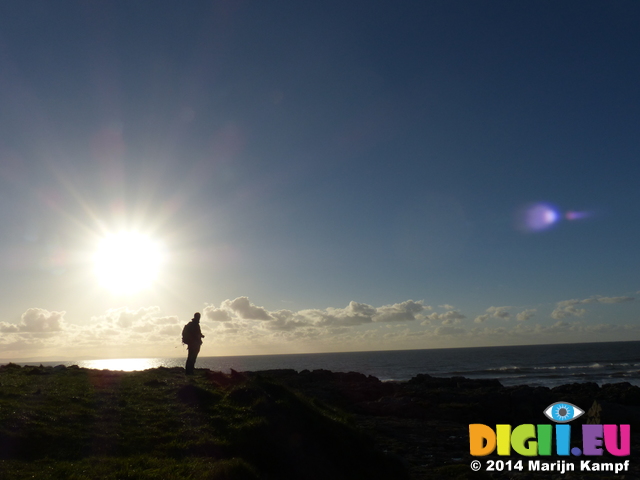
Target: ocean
{"type": "Point", "coordinates": [545, 365]}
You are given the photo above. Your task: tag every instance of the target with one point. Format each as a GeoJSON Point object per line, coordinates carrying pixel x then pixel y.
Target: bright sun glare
{"type": "Point", "coordinates": [127, 262]}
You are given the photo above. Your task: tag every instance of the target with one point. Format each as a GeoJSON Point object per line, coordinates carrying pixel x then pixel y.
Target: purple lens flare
{"type": "Point", "coordinates": [572, 215]}
{"type": "Point", "coordinates": [537, 217]}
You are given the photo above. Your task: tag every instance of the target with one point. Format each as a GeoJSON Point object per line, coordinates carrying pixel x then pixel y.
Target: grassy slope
{"type": "Point", "coordinates": [76, 423]}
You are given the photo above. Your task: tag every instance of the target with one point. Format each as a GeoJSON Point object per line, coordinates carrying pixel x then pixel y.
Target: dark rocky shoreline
{"type": "Point", "coordinates": [422, 423]}
{"type": "Point", "coordinates": [425, 420]}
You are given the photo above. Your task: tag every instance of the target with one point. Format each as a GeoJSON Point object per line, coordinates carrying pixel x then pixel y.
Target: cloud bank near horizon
{"type": "Point", "coordinates": [567, 308]}
{"type": "Point", "coordinates": [242, 325]}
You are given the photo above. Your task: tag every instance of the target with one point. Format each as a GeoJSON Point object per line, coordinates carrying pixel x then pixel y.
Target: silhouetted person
{"type": "Point", "coordinates": [192, 336]}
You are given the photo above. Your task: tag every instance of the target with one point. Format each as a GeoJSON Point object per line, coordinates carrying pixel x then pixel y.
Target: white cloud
{"type": "Point", "coordinates": [8, 327]}
{"type": "Point", "coordinates": [170, 331]}
{"type": "Point", "coordinates": [446, 306]}
{"type": "Point", "coordinates": [561, 330]}
{"type": "Point", "coordinates": [526, 315]}
{"type": "Point", "coordinates": [143, 328]}
{"type": "Point", "coordinates": [36, 320]}
{"type": "Point", "coordinates": [495, 312]}
{"type": "Point", "coordinates": [567, 303]}
{"type": "Point", "coordinates": [236, 324]}
{"type": "Point", "coordinates": [399, 312]}
{"type": "Point", "coordinates": [448, 318]}
{"type": "Point", "coordinates": [354, 314]}
{"type": "Point", "coordinates": [171, 320]}
{"type": "Point", "coordinates": [355, 309]}
{"type": "Point", "coordinates": [125, 317]}
{"type": "Point", "coordinates": [595, 299]}
{"type": "Point", "coordinates": [499, 312]}
{"type": "Point", "coordinates": [448, 330]}
{"type": "Point", "coordinates": [567, 308]}
{"type": "Point", "coordinates": [308, 324]}
{"type": "Point", "coordinates": [565, 311]}
{"type": "Point", "coordinates": [217, 314]}
{"type": "Point", "coordinates": [615, 299]}
{"type": "Point", "coordinates": [286, 320]}
{"type": "Point", "coordinates": [243, 308]}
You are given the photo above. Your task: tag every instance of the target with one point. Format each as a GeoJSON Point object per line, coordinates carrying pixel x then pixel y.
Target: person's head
{"type": "Point", "coordinates": [196, 317]}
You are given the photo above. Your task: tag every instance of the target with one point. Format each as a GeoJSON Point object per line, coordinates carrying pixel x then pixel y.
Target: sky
{"type": "Point", "coordinates": [317, 176]}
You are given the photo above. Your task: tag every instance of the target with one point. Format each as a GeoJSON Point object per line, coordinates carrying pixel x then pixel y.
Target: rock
{"type": "Point", "coordinates": [10, 366]}
{"type": "Point", "coordinates": [605, 412]}
{"type": "Point", "coordinates": [623, 393]}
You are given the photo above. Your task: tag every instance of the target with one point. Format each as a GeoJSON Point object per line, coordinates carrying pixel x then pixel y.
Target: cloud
{"type": "Point", "coordinates": [567, 308]}
{"type": "Point", "coordinates": [144, 325]}
{"type": "Point", "coordinates": [170, 330]}
{"type": "Point", "coordinates": [143, 328]}
{"type": "Point", "coordinates": [308, 324]}
{"type": "Point", "coordinates": [245, 309]}
{"type": "Point", "coordinates": [566, 311]}
{"type": "Point", "coordinates": [8, 327]}
{"type": "Point", "coordinates": [125, 317]}
{"type": "Point", "coordinates": [499, 312]}
{"type": "Point", "coordinates": [286, 321]}
{"type": "Point", "coordinates": [448, 330]}
{"type": "Point", "coordinates": [526, 315]}
{"type": "Point", "coordinates": [502, 313]}
{"type": "Point", "coordinates": [595, 299]}
{"type": "Point", "coordinates": [399, 312]}
{"type": "Point", "coordinates": [217, 314]}
{"type": "Point", "coordinates": [615, 299]}
{"type": "Point", "coordinates": [446, 306]}
{"type": "Point", "coordinates": [448, 318]}
{"type": "Point", "coordinates": [37, 327]}
{"type": "Point", "coordinates": [237, 324]}
{"type": "Point", "coordinates": [171, 320]}
{"type": "Point", "coordinates": [573, 331]}
{"type": "Point", "coordinates": [355, 309]}
{"type": "Point", "coordinates": [40, 320]}
{"type": "Point", "coordinates": [567, 303]}
{"type": "Point", "coordinates": [354, 314]}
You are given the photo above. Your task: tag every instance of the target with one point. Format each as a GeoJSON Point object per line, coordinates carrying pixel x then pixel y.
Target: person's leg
{"type": "Point", "coordinates": [191, 358]}
{"type": "Point", "coordinates": [196, 351]}
{"type": "Point", "coordinates": [191, 361]}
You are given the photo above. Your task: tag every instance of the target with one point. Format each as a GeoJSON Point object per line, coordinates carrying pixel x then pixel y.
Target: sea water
{"type": "Point", "coordinates": [546, 365]}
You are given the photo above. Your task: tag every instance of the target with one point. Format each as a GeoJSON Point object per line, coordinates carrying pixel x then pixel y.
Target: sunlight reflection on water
{"type": "Point", "coordinates": [124, 364]}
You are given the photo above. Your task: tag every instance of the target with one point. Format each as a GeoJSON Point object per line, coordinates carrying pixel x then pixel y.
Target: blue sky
{"type": "Point", "coordinates": [319, 176]}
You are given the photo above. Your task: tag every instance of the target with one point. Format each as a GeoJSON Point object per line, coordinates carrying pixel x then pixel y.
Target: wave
{"type": "Point", "coordinates": [553, 375]}
{"type": "Point", "coordinates": [550, 368]}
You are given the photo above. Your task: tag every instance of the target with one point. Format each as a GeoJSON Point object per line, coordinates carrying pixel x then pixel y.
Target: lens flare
{"type": "Point", "coordinates": [571, 215]}
{"type": "Point", "coordinates": [537, 217]}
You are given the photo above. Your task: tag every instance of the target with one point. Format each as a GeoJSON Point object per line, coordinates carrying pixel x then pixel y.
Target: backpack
{"type": "Point", "coordinates": [187, 334]}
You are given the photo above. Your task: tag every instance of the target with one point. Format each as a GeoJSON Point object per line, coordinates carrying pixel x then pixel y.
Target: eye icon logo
{"type": "Point", "coordinates": [563, 412]}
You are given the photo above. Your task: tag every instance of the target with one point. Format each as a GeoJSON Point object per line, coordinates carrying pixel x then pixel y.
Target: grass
{"type": "Point", "coordinates": [76, 423]}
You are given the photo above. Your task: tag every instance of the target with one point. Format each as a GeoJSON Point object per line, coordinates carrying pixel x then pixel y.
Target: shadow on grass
{"type": "Point", "coordinates": [102, 424]}
{"type": "Point", "coordinates": [284, 432]}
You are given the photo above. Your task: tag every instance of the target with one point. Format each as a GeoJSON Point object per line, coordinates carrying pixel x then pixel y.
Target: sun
{"type": "Point", "coordinates": [127, 262]}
